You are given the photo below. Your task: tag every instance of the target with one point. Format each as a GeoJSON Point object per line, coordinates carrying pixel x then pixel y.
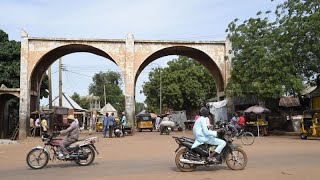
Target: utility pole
{"type": "Point", "coordinates": [160, 92]}
{"type": "Point", "coordinates": [105, 97]}
{"type": "Point", "coordinates": [60, 83]}
{"type": "Point", "coordinates": [50, 87]}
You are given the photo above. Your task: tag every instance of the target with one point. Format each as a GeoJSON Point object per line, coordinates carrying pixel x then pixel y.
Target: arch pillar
{"type": "Point", "coordinates": [24, 109]}
{"type": "Point", "coordinates": [129, 81]}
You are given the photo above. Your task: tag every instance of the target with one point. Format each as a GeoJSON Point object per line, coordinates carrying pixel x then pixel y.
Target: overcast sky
{"type": "Point", "coordinates": [114, 19]}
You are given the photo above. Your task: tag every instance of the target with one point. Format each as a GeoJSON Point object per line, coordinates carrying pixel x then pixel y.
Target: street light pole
{"type": "Point", "coordinates": [160, 91]}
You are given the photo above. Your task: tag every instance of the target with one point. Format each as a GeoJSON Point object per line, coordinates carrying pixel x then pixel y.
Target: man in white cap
{"type": "Point", "coordinates": [72, 133]}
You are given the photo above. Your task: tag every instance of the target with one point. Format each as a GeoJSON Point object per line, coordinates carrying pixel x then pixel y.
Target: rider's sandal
{"type": "Point", "coordinates": [213, 160]}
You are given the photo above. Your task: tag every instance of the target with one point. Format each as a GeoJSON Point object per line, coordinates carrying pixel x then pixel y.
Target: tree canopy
{"type": "Point", "coordinates": [83, 102]}
{"type": "Point", "coordinates": [9, 61]}
{"type": "Point", "coordinates": [273, 58]}
{"type": "Point", "coordinates": [111, 81]}
{"type": "Point", "coordinates": [185, 85]}
{"type": "Point", "coordinates": [139, 107]}
{"type": "Point", "coordinates": [10, 64]}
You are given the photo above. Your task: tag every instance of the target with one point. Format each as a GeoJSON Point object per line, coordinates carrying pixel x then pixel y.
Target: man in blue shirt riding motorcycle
{"type": "Point", "coordinates": [205, 136]}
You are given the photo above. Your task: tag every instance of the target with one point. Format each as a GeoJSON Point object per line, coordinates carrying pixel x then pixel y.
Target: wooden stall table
{"type": "Point", "coordinates": [260, 125]}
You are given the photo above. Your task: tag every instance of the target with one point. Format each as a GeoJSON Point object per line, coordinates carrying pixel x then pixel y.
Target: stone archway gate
{"type": "Point", "coordinates": [131, 55]}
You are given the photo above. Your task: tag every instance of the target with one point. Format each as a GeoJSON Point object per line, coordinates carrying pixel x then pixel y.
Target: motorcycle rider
{"type": "Point", "coordinates": [166, 122]}
{"type": "Point", "coordinates": [233, 123]}
{"type": "Point", "coordinates": [204, 135]}
{"type": "Point", "coordinates": [72, 134]}
{"type": "Point", "coordinates": [240, 123]}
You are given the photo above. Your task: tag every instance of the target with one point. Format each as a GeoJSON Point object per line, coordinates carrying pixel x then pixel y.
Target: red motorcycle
{"type": "Point", "coordinates": [81, 152]}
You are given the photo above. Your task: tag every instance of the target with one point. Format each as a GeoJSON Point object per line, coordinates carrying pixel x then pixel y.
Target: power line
{"type": "Point", "coordinates": [78, 73]}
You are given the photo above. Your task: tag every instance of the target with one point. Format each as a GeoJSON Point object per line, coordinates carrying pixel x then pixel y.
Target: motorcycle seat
{"type": "Point", "coordinates": [76, 144]}
{"type": "Point", "coordinates": [71, 148]}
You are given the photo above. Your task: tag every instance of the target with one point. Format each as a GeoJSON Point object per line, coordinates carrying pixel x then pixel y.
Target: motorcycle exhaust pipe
{"type": "Point", "coordinates": [80, 157]}
{"type": "Point", "coordinates": [83, 157]}
{"type": "Point", "coordinates": [187, 161]}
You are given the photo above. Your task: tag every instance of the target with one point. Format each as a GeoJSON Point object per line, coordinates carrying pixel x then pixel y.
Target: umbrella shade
{"type": "Point", "coordinates": [153, 115]}
{"type": "Point", "coordinates": [257, 110]}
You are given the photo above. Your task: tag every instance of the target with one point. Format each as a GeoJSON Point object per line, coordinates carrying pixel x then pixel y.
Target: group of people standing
{"type": "Point", "coordinates": [109, 124]}
{"type": "Point", "coordinates": [38, 122]}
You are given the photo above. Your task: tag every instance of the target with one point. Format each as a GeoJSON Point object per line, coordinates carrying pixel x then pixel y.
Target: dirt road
{"type": "Point", "coordinates": [148, 155]}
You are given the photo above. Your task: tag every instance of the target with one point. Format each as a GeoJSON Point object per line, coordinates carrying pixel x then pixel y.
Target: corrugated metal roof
{"type": "Point", "coordinates": [67, 102]}
{"type": "Point", "coordinates": [247, 100]}
{"type": "Point", "coordinates": [289, 102]}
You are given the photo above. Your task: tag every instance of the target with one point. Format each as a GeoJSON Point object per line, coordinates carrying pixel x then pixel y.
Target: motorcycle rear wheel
{"type": "Point", "coordinates": [37, 158]}
{"type": "Point", "coordinates": [89, 151]}
{"type": "Point", "coordinates": [247, 138]}
{"type": "Point", "coordinates": [182, 166]}
{"type": "Point", "coordinates": [237, 159]}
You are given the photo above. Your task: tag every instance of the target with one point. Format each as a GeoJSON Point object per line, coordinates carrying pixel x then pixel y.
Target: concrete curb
{"type": "Point", "coordinates": [7, 141]}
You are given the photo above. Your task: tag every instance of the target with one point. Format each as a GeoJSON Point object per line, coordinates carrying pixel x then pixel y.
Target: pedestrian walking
{"type": "Point", "coordinates": [124, 123]}
{"type": "Point", "coordinates": [105, 125]}
{"type": "Point", "coordinates": [111, 124]}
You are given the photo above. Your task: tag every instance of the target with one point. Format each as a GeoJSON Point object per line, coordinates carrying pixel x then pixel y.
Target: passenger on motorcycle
{"type": "Point", "coordinates": [205, 136]}
{"type": "Point", "coordinates": [72, 133]}
{"type": "Point", "coordinates": [237, 123]}
{"type": "Point", "coordinates": [166, 122]}
{"type": "Point", "coordinates": [233, 123]}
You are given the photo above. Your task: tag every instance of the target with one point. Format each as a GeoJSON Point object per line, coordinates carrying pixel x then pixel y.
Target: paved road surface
{"type": "Point", "coordinates": [148, 155]}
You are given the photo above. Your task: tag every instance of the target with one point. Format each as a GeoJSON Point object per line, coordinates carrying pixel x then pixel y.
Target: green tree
{"type": "Point", "coordinates": [267, 61]}
{"type": "Point", "coordinates": [186, 84]}
{"type": "Point", "coordinates": [10, 65]}
{"type": "Point", "coordinates": [9, 61]}
{"type": "Point", "coordinates": [111, 81]}
{"type": "Point", "coordinates": [139, 107]}
{"type": "Point", "coordinates": [300, 36]}
{"type": "Point", "coordinates": [84, 102]}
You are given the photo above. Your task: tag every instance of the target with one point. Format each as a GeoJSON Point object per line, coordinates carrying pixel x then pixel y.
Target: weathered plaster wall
{"type": "Point", "coordinates": [131, 55]}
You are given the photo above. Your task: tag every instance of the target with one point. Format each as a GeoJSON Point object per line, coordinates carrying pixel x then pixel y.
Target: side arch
{"type": "Point", "coordinates": [15, 94]}
{"type": "Point", "coordinates": [7, 123]}
{"type": "Point", "coordinates": [190, 52]}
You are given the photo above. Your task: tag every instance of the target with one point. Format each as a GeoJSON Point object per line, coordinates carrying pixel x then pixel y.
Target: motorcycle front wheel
{"type": "Point", "coordinates": [182, 166]}
{"type": "Point", "coordinates": [37, 158]}
{"type": "Point", "coordinates": [237, 159]}
{"type": "Point", "coordinates": [87, 151]}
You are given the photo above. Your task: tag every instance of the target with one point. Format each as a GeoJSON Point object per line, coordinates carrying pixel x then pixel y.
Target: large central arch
{"type": "Point", "coordinates": [131, 55]}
